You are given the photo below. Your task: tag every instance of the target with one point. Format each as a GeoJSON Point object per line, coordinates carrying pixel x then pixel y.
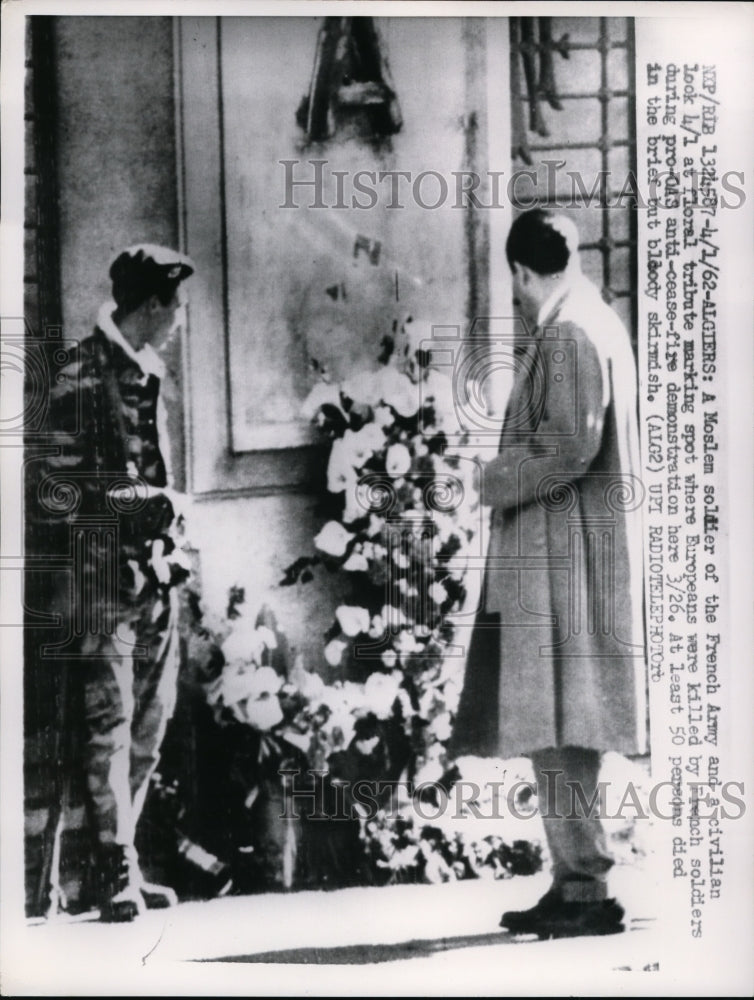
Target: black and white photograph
{"type": "Point", "coordinates": [375, 568]}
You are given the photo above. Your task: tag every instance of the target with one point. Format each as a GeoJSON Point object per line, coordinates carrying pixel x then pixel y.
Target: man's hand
{"type": "Point", "coordinates": [169, 569]}
{"type": "Point", "coordinates": [158, 562]}
{"type": "Point", "coordinates": [179, 502]}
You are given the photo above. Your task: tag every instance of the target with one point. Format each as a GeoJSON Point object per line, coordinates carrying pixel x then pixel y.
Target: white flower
{"type": "Point", "coordinates": [353, 509]}
{"type": "Point", "coordinates": [263, 713]}
{"type": "Point", "coordinates": [361, 445]}
{"type": "Point", "coordinates": [452, 690]}
{"type": "Point", "coordinates": [352, 619]}
{"type": "Point", "coordinates": [340, 471]}
{"type": "Point", "coordinates": [380, 692]}
{"type": "Point", "coordinates": [246, 643]}
{"type": "Point", "coordinates": [438, 593]}
{"type": "Point", "coordinates": [377, 627]}
{"type": "Point", "coordinates": [398, 460]}
{"type": "Point", "coordinates": [405, 643]}
{"type": "Point", "coordinates": [366, 387]}
{"type": "Point", "coordinates": [267, 636]}
{"type": "Point", "coordinates": [353, 696]}
{"type": "Point", "coordinates": [445, 524]}
{"type": "Point", "coordinates": [335, 697]}
{"type": "Point", "coordinates": [310, 685]}
{"type": "Point", "coordinates": [436, 869]}
{"type": "Point", "coordinates": [427, 703]}
{"type": "Point", "coordinates": [321, 394]}
{"type": "Point", "coordinates": [237, 648]}
{"type": "Point", "coordinates": [235, 683]}
{"type": "Point", "coordinates": [441, 727]}
{"type": "Point", "coordinates": [379, 556]}
{"type": "Point", "coordinates": [392, 616]}
{"type": "Point", "coordinates": [356, 563]}
{"type": "Point", "coordinates": [251, 694]}
{"type": "Point", "coordinates": [334, 651]}
{"type": "Point", "coordinates": [265, 681]}
{"type": "Point", "coordinates": [389, 658]}
{"type": "Point", "coordinates": [401, 393]}
{"type": "Point", "coordinates": [375, 526]}
{"type": "Point", "coordinates": [400, 559]}
{"type": "Point", "coordinates": [406, 857]}
{"type": "Point", "coordinates": [333, 539]}
{"type": "Point", "coordinates": [431, 771]}
{"type": "Point", "coordinates": [420, 447]}
{"type": "Point", "coordinates": [418, 332]}
{"type": "Point", "coordinates": [383, 417]}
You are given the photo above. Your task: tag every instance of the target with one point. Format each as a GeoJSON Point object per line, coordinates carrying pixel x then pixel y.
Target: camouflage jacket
{"type": "Point", "coordinates": [105, 467]}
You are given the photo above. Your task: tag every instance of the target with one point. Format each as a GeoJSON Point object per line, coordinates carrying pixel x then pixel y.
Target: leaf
{"type": "Point", "coordinates": [295, 571]}
{"type": "Point", "coordinates": [236, 597]}
{"type": "Point", "coordinates": [387, 345]}
{"type": "Point", "coordinates": [437, 444]}
{"type": "Point", "coordinates": [360, 414]}
{"type": "Point", "coordinates": [333, 421]}
{"type": "Point", "coordinates": [333, 632]}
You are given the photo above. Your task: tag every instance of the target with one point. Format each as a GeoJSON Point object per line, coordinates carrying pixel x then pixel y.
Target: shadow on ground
{"type": "Point", "coordinates": [368, 954]}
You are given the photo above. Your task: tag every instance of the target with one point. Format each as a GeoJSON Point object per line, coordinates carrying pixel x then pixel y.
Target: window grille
{"type": "Point", "coordinates": [592, 61]}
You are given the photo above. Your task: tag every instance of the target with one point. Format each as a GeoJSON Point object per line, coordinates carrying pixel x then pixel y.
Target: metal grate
{"type": "Point", "coordinates": [609, 230]}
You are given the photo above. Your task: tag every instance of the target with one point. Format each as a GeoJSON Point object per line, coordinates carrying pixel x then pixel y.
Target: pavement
{"type": "Point", "coordinates": [410, 940]}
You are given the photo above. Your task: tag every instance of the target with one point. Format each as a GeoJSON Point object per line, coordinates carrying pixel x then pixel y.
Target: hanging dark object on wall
{"type": "Point", "coordinates": [532, 39]}
{"type": "Point", "coordinates": [351, 87]}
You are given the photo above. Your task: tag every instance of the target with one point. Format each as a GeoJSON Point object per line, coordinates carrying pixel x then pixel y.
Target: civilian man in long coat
{"type": "Point", "coordinates": [556, 662]}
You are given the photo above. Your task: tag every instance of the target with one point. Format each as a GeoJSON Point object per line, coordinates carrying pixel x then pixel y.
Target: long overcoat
{"type": "Point", "coordinates": [557, 654]}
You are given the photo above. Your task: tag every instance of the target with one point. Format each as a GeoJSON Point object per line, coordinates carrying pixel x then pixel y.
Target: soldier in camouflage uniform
{"type": "Point", "coordinates": [108, 422]}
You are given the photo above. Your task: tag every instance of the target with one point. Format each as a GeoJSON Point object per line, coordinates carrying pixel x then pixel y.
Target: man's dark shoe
{"type": "Point", "coordinates": [519, 921]}
{"type": "Point", "coordinates": [575, 920]}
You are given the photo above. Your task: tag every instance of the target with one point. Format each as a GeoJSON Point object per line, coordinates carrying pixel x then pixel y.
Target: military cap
{"type": "Point", "coordinates": [144, 270]}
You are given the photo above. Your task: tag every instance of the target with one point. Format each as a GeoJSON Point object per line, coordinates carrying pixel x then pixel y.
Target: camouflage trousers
{"type": "Point", "coordinates": [129, 682]}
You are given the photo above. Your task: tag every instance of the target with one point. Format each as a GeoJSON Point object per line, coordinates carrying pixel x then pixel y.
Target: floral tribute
{"type": "Point", "coordinates": [400, 514]}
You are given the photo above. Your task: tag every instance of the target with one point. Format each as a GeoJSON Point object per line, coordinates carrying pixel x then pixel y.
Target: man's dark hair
{"type": "Point", "coordinates": [534, 242]}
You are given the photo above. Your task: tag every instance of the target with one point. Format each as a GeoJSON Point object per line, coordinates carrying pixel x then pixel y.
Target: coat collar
{"type": "Point", "coordinates": [550, 307]}
{"type": "Point", "coordinates": [147, 358]}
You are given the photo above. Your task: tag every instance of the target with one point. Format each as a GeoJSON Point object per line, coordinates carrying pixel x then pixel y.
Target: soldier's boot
{"type": "Point", "coordinates": [120, 900]}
